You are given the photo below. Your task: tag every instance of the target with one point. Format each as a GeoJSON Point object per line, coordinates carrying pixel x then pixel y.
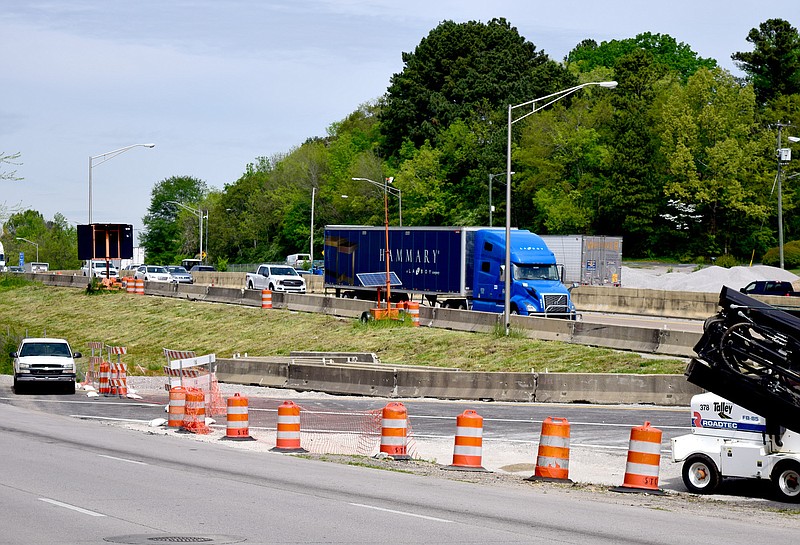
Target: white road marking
{"type": "Point", "coordinates": [122, 459]}
{"type": "Point", "coordinates": [400, 512]}
{"type": "Point", "coordinates": [72, 507]}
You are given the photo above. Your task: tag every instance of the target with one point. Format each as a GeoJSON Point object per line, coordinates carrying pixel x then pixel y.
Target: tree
{"type": "Point", "coordinates": [707, 130]}
{"type": "Point", "coordinates": [9, 159]}
{"type": "Point", "coordinates": [773, 67]}
{"type": "Point", "coordinates": [161, 238]}
{"type": "Point", "coordinates": [57, 240]}
{"type": "Point", "coordinates": [463, 71]}
{"type": "Point", "coordinates": [666, 50]}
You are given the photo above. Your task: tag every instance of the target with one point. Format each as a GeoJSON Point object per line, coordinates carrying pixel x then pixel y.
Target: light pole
{"type": "Point", "coordinates": [784, 156]}
{"type": "Point", "coordinates": [199, 214]}
{"type": "Point", "coordinates": [388, 189]}
{"type": "Point", "coordinates": [311, 246]}
{"type": "Point", "coordinates": [386, 223]}
{"type": "Point", "coordinates": [548, 100]}
{"type": "Point", "coordinates": [31, 242]}
{"type": "Point", "coordinates": [107, 157]}
{"type": "Point", "coordinates": [491, 208]}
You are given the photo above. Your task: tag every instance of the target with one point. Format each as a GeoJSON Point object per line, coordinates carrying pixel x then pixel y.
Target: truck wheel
{"type": "Point", "coordinates": [69, 388]}
{"type": "Point", "coordinates": [700, 475]}
{"type": "Point", "coordinates": [786, 479]}
{"type": "Point", "coordinates": [249, 285]}
{"type": "Point", "coordinates": [17, 386]}
{"type": "Point", "coordinates": [271, 287]}
{"type": "Point", "coordinates": [366, 317]}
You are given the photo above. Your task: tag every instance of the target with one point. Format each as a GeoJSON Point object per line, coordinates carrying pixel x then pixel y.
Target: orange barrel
{"type": "Point", "coordinates": [288, 439]}
{"type": "Point", "coordinates": [552, 461]}
{"type": "Point", "coordinates": [238, 425]}
{"type": "Point", "coordinates": [195, 418]}
{"type": "Point", "coordinates": [266, 299]}
{"type": "Point", "coordinates": [113, 381]}
{"type": "Point", "coordinates": [468, 448]}
{"type": "Point", "coordinates": [130, 284]}
{"type": "Point", "coordinates": [413, 310]}
{"type": "Point", "coordinates": [104, 389]}
{"type": "Point", "coordinates": [394, 429]}
{"type": "Point", "coordinates": [644, 461]}
{"type": "Point", "coordinates": [177, 407]}
{"type": "Point", "coordinates": [122, 380]}
{"type": "Point", "coordinates": [140, 286]}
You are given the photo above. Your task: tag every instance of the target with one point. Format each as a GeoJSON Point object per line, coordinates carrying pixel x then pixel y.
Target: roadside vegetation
{"type": "Point", "coordinates": [147, 325]}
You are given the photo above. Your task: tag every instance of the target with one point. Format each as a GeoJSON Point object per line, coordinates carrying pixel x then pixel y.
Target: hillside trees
{"type": "Point", "coordinates": [57, 240]}
{"type": "Point", "coordinates": [161, 238]}
{"type": "Point", "coordinates": [773, 66]}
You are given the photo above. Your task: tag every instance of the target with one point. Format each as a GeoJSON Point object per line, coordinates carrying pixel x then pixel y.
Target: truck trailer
{"type": "Point", "coordinates": [593, 260]}
{"type": "Point", "coordinates": [452, 267]}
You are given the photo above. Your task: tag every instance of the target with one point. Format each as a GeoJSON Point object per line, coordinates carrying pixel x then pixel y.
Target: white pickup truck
{"type": "Point", "coordinates": [281, 278]}
{"type": "Point", "coordinates": [43, 361]}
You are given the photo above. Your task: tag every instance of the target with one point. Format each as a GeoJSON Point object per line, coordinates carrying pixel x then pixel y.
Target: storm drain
{"type": "Point", "coordinates": [150, 539]}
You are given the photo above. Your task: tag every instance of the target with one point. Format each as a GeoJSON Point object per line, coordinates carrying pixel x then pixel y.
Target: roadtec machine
{"type": "Point", "coordinates": [749, 356]}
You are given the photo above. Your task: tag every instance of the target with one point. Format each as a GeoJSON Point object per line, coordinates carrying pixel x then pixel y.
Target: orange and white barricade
{"type": "Point", "coordinates": [644, 461]}
{"type": "Point", "coordinates": [130, 284]}
{"type": "Point", "coordinates": [288, 437]}
{"type": "Point", "coordinates": [105, 386]}
{"type": "Point", "coordinates": [95, 359]}
{"type": "Point", "coordinates": [394, 431]}
{"type": "Point", "coordinates": [413, 311]}
{"type": "Point", "coordinates": [468, 449]}
{"type": "Point", "coordinates": [177, 407]}
{"type": "Point", "coordinates": [266, 299]}
{"type": "Point", "coordinates": [552, 461]}
{"type": "Point", "coordinates": [118, 372]}
{"type": "Point", "coordinates": [186, 369]}
{"type": "Point", "coordinates": [139, 289]}
{"type": "Point", "coordinates": [237, 420]}
{"type": "Point", "coordinates": [194, 418]}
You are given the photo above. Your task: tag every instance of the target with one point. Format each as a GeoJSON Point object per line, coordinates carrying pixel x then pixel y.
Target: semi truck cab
{"type": "Point", "coordinates": [536, 286]}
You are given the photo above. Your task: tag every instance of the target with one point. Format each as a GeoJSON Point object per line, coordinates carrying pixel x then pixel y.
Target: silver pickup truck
{"type": "Point", "coordinates": [43, 361]}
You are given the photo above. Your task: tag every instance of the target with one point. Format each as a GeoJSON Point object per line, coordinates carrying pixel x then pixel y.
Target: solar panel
{"type": "Point", "coordinates": [378, 279]}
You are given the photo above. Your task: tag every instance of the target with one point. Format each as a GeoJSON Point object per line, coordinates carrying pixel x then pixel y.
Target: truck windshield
{"type": "Point", "coordinates": [285, 271]}
{"type": "Point", "coordinates": [45, 349]}
{"type": "Point", "coordinates": [536, 272]}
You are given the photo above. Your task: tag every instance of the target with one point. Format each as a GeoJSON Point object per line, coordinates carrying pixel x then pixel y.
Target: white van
{"type": "Point", "coordinates": [298, 261]}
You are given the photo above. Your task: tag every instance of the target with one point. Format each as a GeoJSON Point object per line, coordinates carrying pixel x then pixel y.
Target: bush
{"type": "Point", "coordinates": [726, 260]}
{"type": "Point", "coordinates": [791, 255]}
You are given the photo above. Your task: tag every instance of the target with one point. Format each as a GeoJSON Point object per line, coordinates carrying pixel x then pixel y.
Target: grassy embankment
{"type": "Point", "coordinates": [146, 325]}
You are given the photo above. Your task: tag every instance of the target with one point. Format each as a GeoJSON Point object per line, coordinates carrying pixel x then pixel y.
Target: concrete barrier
{"type": "Point", "coordinates": [385, 380]}
{"type": "Point", "coordinates": [614, 388]}
{"type": "Point", "coordinates": [615, 336]}
{"type": "Point", "coordinates": [465, 385]}
{"type": "Point", "coordinates": [342, 379]}
{"type": "Point", "coordinates": [272, 372]}
{"type": "Point", "coordinates": [671, 304]}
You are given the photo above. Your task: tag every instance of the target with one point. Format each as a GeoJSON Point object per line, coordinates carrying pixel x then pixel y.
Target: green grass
{"type": "Point", "coordinates": [147, 325]}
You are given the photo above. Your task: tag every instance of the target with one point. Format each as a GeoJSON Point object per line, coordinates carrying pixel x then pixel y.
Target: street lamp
{"type": "Point", "coordinates": [386, 223]}
{"type": "Point", "coordinates": [491, 208]}
{"type": "Point", "coordinates": [388, 189]}
{"type": "Point", "coordinates": [784, 156]}
{"type": "Point", "coordinates": [31, 242]}
{"type": "Point", "coordinates": [311, 245]}
{"type": "Point", "coordinates": [107, 157]}
{"type": "Point", "coordinates": [548, 100]}
{"type": "Point", "coordinates": [199, 214]}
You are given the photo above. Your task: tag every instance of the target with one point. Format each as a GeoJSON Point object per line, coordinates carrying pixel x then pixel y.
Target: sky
{"type": "Point", "coordinates": [216, 84]}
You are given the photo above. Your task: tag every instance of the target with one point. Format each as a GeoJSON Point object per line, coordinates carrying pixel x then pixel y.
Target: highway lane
{"type": "Point", "coordinates": [66, 480]}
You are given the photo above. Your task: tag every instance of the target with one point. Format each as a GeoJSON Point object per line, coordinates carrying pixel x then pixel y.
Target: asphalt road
{"type": "Point", "coordinates": [67, 480]}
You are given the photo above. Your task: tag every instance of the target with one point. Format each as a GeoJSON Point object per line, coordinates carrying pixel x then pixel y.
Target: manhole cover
{"type": "Point", "coordinates": [150, 539]}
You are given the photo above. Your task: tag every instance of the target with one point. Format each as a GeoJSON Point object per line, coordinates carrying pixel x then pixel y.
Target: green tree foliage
{"type": "Point", "coordinates": [707, 143]}
{"type": "Point", "coordinates": [675, 56]}
{"type": "Point", "coordinates": [57, 239]}
{"type": "Point", "coordinates": [773, 66]}
{"type": "Point", "coordinates": [463, 71]}
{"type": "Point", "coordinates": [161, 239]}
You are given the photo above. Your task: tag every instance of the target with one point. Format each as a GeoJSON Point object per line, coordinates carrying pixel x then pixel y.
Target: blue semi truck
{"type": "Point", "coordinates": [453, 267]}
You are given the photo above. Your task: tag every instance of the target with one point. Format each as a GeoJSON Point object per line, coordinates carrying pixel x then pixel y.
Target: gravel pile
{"type": "Point", "coordinates": [707, 279]}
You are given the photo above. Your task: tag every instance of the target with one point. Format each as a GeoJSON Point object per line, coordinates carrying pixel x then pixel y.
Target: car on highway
{"type": "Point", "coordinates": [153, 273]}
{"type": "Point", "coordinates": [44, 361]}
{"type": "Point", "coordinates": [180, 275]}
{"type": "Point", "coordinates": [15, 269]}
{"type": "Point", "coordinates": [203, 268]}
{"type": "Point", "coordinates": [98, 269]}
